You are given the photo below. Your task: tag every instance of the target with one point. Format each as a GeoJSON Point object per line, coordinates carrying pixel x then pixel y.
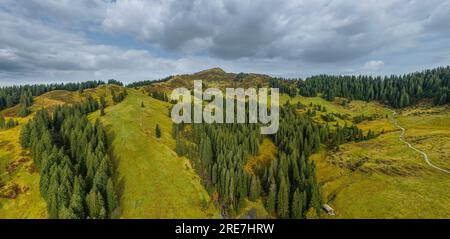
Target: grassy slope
{"type": "Point", "coordinates": [382, 178]}
{"type": "Point", "coordinates": [153, 181]}
{"type": "Point", "coordinates": [429, 130]}
{"type": "Point", "coordinates": [28, 203]}
{"type": "Point", "coordinates": [354, 108]}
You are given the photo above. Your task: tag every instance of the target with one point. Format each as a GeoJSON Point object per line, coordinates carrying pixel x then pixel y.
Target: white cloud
{"type": "Point", "coordinates": [373, 65]}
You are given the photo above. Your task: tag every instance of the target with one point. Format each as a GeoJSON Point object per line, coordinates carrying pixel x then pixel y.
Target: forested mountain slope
{"type": "Point", "coordinates": [337, 144]}
{"type": "Point", "coordinates": [153, 182]}
{"type": "Point", "coordinates": [20, 195]}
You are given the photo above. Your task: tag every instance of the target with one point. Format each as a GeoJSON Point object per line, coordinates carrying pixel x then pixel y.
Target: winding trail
{"type": "Point", "coordinates": [402, 139]}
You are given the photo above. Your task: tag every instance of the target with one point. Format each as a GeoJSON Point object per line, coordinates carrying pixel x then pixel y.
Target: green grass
{"type": "Point", "coordinates": [428, 129]}
{"type": "Point", "coordinates": [153, 181]}
{"type": "Point", "coordinates": [380, 178]}
{"type": "Point", "coordinates": [267, 151]}
{"type": "Point", "coordinates": [383, 178]}
{"type": "Point", "coordinates": [354, 108]}
{"type": "Point", "coordinates": [16, 169]}
{"type": "Point", "coordinates": [258, 207]}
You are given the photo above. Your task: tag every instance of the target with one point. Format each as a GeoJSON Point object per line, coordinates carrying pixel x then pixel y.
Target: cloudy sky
{"type": "Point", "coordinates": [63, 40]}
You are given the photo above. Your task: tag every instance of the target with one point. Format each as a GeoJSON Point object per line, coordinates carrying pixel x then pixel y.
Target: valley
{"type": "Point", "coordinates": [363, 177]}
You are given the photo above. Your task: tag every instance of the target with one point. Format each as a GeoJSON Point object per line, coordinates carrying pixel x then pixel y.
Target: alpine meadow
{"type": "Point", "coordinates": [224, 109]}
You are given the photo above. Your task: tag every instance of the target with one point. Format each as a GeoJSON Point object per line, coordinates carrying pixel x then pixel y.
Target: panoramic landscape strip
{"type": "Point", "coordinates": [224, 118]}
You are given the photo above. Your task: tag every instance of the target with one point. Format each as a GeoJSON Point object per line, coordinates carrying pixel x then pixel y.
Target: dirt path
{"type": "Point", "coordinates": [402, 139]}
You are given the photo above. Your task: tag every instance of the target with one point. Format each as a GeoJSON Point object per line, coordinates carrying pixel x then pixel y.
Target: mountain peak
{"type": "Point", "coordinates": [216, 70]}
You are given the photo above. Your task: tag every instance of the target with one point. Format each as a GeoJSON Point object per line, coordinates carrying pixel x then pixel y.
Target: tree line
{"type": "Point", "coordinates": [148, 82]}
{"type": "Point", "coordinates": [13, 95]}
{"type": "Point", "coordinates": [71, 155]}
{"type": "Point", "coordinates": [114, 82]}
{"type": "Point", "coordinates": [287, 86]}
{"type": "Point", "coordinates": [396, 91]}
{"type": "Point", "coordinates": [159, 96]}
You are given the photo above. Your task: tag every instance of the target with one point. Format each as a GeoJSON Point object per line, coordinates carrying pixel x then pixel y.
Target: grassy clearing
{"type": "Point", "coordinates": [19, 182]}
{"type": "Point", "coordinates": [262, 160]}
{"type": "Point", "coordinates": [153, 181]}
{"type": "Point", "coordinates": [428, 129]}
{"type": "Point", "coordinates": [383, 178]}
{"type": "Point", "coordinates": [352, 109]}
{"type": "Point", "coordinates": [253, 210]}
{"type": "Point", "coordinates": [400, 188]}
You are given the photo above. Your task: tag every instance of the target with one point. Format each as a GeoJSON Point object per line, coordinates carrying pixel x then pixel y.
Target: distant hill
{"type": "Point", "coordinates": [215, 77]}
{"type": "Point", "coordinates": [56, 98]}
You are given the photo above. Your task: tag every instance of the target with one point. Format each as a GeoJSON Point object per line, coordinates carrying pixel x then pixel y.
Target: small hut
{"type": "Point", "coordinates": [329, 209]}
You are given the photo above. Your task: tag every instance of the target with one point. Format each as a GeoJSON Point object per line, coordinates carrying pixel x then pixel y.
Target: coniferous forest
{"type": "Point", "coordinates": [12, 95]}
{"type": "Point", "coordinates": [117, 109]}
{"type": "Point", "coordinates": [71, 155]}
{"type": "Point", "coordinates": [396, 91]}
{"type": "Point", "coordinates": [76, 174]}
{"type": "Point", "coordinates": [288, 186]}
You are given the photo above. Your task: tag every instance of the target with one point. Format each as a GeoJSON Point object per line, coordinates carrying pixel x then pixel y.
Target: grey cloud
{"type": "Point", "coordinates": [317, 31]}
{"type": "Point", "coordinates": [59, 12]}
{"type": "Point", "coordinates": [31, 49]}
{"type": "Point", "coordinates": [228, 29]}
{"type": "Point", "coordinates": [53, 38]}
{"type": "Point", "coordinates": [438, 20]}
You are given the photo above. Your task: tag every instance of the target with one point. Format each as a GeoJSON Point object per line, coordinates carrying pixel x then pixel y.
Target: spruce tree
{"type": "Point", "coordinates": [111, 197]}
{"type": "Point", "coordinates": [77, 203]}
{"type": "Point", "coordinates": [2, 122]}
{"type": "Point", "coordinates": [297, 205]}
{"type": "Point", "coordinates": [157, 131]}
{"type": "Point", "coordinates": [11, 123]}
{"type": "Point", "coordinates": [23, 111]}
{"type": "Point", "coordinates": [102, 111]}
{"type": "Point", "coordinates": [271, 199]}
{"type": "Point", "coordinates": [283, 200]}
{"type": "Point", "coordinates": [67, 213]}
{"type": "Point", "coordinates": [255, 189]}
{"type": "Point", "coordinates": [96, 204]}
{"type": "Point", "coordinates": [102, 101]}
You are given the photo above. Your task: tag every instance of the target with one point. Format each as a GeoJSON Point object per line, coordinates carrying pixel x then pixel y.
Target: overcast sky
{"type": "Point", "coordinates": [64, 40]}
